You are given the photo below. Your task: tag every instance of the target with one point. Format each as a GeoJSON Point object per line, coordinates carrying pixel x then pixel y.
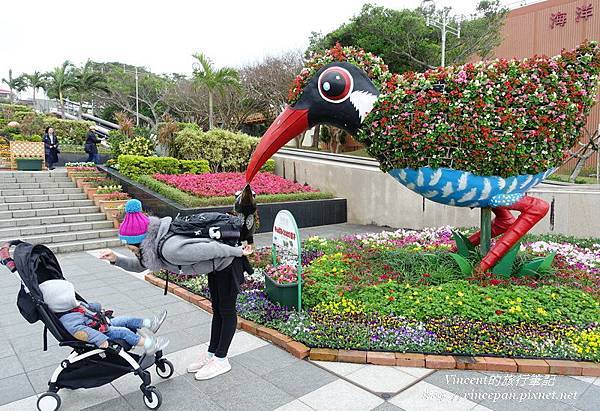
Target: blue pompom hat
{"type": "Point", "coordinates": [134, 227]}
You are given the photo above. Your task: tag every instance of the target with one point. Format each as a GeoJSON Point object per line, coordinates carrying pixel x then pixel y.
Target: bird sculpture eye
{"type": "Point", "coordinates": [335, 84]}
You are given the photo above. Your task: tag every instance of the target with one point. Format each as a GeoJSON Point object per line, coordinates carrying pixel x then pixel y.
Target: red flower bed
{"type": "Point", "coordinates": [226, 184]}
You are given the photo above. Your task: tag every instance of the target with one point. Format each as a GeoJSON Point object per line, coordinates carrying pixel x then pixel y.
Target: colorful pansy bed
{"type": "Point", "coordinates": [402, 292]}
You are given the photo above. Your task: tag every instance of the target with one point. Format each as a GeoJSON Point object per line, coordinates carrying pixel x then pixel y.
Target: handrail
{"type": "Point", "coordinates": [338, 158]}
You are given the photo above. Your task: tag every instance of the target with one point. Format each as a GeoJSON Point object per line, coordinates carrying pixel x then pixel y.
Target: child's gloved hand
{"type": "Point", "coordinates": [5, 258]}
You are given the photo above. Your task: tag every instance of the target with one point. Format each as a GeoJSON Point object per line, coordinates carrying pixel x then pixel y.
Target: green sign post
{"type": "Point", "coordinates": [286, 236]}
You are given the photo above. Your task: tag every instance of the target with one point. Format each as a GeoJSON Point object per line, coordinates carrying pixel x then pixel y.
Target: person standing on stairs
{"type": "Point", "coordinates": [91, 145]}
{"type": "Point", "coordinates": [50, 148]}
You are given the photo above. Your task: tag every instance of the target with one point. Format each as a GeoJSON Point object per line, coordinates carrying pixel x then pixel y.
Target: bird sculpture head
{"type": "Point", "coordinates": [339, 94]}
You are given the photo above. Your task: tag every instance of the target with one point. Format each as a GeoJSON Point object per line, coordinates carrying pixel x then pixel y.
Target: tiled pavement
{"type": "Point", "coordinates": [263, 377]}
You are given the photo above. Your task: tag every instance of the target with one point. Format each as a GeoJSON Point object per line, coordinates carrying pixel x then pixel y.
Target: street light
{"type": "Point", "coordinates": [137, 99]}
{"type": "Point", "coordinates": [441, 22]}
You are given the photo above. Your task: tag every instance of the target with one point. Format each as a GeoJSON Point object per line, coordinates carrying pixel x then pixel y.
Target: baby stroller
{"type": "Point", "coordinates": [87, 366]}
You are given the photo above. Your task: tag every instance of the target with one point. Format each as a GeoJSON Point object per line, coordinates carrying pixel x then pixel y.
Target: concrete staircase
{"type": "Point", "coordinates": [42, 207]}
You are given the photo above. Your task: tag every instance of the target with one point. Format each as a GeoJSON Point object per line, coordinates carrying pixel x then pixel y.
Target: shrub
{"type": "Point", "coordinates": [78, 149]}
{"type": "Point", "coordinates": [134, 166]}
{"type": "Point", "coordinates": [269, 166]}
{"type": "Point", "coordinates": [137, 146]}
{"type": "Point", "coordinates": [225, 150]}
{"type": "Point", "coordinates": [20, 137]}
{"type": "Point", "coordinates": [115, 138]}
{"type": "Point", "coordinates": [67, 131]}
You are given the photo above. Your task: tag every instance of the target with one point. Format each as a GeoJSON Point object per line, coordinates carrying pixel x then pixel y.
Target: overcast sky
{"type": "Point", "coordinates": [162, 35]}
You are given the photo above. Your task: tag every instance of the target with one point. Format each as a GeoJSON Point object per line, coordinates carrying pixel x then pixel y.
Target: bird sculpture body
{"type": "Point", "coordinates": [467, 136]}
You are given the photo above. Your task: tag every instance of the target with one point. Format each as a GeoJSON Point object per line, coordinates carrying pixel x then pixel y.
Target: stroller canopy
{"type": "Point", "coordinates": [36, 264]}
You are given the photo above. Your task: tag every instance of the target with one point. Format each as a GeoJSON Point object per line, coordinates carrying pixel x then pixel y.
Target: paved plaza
{"type": "Point", "coordinates": [263, 377]}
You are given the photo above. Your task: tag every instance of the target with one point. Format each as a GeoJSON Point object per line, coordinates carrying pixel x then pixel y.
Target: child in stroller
{"type": "Point", "coordinates": [88, 322]}
{"type": "Point", "coordinates": [88, 365]}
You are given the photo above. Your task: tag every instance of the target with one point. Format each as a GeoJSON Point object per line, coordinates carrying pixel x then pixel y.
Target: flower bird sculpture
{"type": "Point", "coordinates": [478, 135]}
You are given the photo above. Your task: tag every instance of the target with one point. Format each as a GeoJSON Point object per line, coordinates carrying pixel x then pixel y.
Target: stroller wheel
{"type": "Point", "coordinates": [48, 401]}
{"type": "Point", "coordinates": [152, 398]}
{"type": "Point", "coordinates": [164, 368]}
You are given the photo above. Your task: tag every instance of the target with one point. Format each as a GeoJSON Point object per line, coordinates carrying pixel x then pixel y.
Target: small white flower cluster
{"type": "Point", "coordinates": [588, 257]}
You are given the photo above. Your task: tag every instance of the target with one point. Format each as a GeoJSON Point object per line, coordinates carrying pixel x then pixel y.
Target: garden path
{"type": "Point", "coordinates": [263, 377]}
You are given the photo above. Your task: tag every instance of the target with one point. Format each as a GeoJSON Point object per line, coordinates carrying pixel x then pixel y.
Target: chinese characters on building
{"type": "Point", "coordinates": [582, 13]}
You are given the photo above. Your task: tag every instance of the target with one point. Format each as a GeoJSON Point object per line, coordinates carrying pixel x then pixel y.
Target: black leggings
{"type": "Point", "coordinates": [223, 295]}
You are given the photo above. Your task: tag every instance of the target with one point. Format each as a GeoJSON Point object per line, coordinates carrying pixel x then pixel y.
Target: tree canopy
{"type": "Point", "coordinates": [403, 39]}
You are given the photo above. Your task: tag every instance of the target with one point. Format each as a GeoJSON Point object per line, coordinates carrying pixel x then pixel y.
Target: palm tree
{"type": "Point", "coordinates": [61, 79]}
{"type": "Point", "coordinates": [205, 75]}
{"type": "Point", "coordinates": [14, 84]}
{"type": "Point", "coordinates": [36, 80]}
{"type": "Point", "coordinates": [88, 81]}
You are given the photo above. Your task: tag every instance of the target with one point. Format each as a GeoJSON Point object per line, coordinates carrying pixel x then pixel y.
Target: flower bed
{"type": "Point", "coordinates": [402, 292]}
{"type": "Point", "coordinates": [227, 184]}
{"type": "Point", "coordinates": [212, 189]}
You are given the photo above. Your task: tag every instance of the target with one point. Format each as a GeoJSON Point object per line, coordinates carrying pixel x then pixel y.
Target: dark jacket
{"type": "Point", "coordinates": [193, 255]}
{"type": "Point", "coordinates": [91, 143]}
{"type": "Point", "coordinates": [51, 148]}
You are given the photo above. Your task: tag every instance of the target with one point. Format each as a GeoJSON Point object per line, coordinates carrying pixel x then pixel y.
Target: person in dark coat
{"type": "Point", "coordinates": [91, 146]}
{"type": "Point", "coordinates": [50, 147]}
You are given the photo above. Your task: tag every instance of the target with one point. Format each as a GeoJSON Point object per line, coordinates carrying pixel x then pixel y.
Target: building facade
{"type": "Point", "coordinates": [547, 27]}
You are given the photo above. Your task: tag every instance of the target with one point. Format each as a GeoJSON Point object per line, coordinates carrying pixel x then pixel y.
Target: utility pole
{"type": "Point", "coordinates": [137, 99]}
{"type": "Point", "coordinates": [443, 23]}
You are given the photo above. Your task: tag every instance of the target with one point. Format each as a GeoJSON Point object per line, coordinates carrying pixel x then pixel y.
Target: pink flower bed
{"type": "Point", "coordinates": [227, 184]}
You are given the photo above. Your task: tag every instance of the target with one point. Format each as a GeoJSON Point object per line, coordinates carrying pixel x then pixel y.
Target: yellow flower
{"type": "Point", "coordinates": [459, 302]}
{"type": "Point", "coordinates": [460, 294]}
{"type": "Point", "coordinates": [519, 300]}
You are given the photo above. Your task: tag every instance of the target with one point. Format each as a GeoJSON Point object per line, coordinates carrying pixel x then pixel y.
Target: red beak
{"type": "Point", "coordinates": [291, 123]}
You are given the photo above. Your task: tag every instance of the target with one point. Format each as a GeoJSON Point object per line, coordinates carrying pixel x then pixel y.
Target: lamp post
{"type": "Point", "coordinates": [442, 22]}
{"type": "Point", "coordinates": [137, 99]}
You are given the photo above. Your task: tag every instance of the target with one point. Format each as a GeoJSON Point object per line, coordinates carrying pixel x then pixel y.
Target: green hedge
{"type": "Point", "coordinates": [31, 123]}
{"type": "Point", "coordinates": [133, 166]}
{"type": "Point", "coordinates": [78, 149]}
{"type": "Point", "coordinates": [188, 200]}
{"type": "Point", "coordinates": [225, 150]}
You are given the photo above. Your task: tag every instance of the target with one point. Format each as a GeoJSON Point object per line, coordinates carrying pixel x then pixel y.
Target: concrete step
{"type": "Point", "coordinates": [14, 173]}
{"type": "Point", "coordinates": [34, 198]}
{"type": "Point", "coordinates": [38, 191]}
{"type": "Point", "coordinates": [17, 232]}
{"type": "Point", "coordinates": [59, 219]}
{"type": "Point", "coordinates": [45, 204]}
{"type": "Point", "coordinates": [40, 179]}
{"type": "Point", "coordinates": [16, 186]}
{"type": "Point", "coordinates": [47, 212]}
{"type": "Point", "coordinates": [67, 237]}
{"type": "Point", "coordinates": [71, 247]}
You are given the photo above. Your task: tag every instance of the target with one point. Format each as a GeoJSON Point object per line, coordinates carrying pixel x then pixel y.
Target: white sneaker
{"type": "Point", "coordinates": [213, 368]}
{"type": "Point", "coordinates": [203, 360]}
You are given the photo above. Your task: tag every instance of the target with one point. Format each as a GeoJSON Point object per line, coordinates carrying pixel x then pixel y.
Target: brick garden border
{"type": "Point", "coordinates": [439, 362]}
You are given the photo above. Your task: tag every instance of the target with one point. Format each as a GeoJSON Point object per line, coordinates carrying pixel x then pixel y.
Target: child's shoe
{"type": "Point", "coordinates": [203, 360]}
{"type": "Point", "coordinates": [154, 344]}
{"type": "Point", "coordinates": [156, 321]}
{"type": "Point", "coordinates": [215, 367]}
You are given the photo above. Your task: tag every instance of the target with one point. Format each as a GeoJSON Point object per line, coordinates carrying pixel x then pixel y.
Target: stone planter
{"type": "Point", "coordinates": [99, 197]}
{"type": "Point", "coordinates": [114, 215]}
{"type": "Point", "coordinates": [90, 192]}
{"type": "Point", "coordinates": [105, 204]}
